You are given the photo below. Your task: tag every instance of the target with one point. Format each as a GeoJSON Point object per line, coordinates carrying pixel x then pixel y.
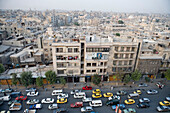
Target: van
{"type": "Point", "coordinates": [15, 94]}
{"type": "Point", "coordinates": [80, 95]}
{"type": "Point", "coordinates": [95, 103]}
{"type": "Point", "coordinates": [135, 95]}
{"type": "Point", "coordinates": [6, 98]}
{"type": "Point", "coordinates": [57, 92]}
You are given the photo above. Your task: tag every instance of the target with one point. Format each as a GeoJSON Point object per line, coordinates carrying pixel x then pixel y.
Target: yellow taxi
{"type": "Point", "coordinates": [164, 103]}
{"type": "Point", "coordinates": [62, 100]}
{"type": "Point", "coordinates": [97, 95]}
{"type": "Point", "coordinates": [129, 101]}
{"type": "Point", "coordinates": [138, 91]}
{"type": "Point", "coordinates": [108, 94]}
{"type": "Point", "coordinates": [96, 91]}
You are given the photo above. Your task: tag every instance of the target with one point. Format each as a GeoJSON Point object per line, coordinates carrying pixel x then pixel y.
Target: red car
{"type": "Point", "coordinates": [87, 88]}
{"type": "Point", "coordinates": [76, 105]}
{"type": "Point", "coordinates": [21, 98]}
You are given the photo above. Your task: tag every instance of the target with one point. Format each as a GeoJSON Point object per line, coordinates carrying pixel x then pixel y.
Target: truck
{"type": "Point", "coordinates": [35, 106]}
{"type": "Point", "coordinates": [76, 105]}
{"type": "Point", "coordinates": [15, 106]}
{"type": "Point", "coordinates": [30, 111]}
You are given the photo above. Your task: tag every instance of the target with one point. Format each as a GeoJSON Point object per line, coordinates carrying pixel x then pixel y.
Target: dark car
{"type": "Point", "coordinates": [142, 105]}
{"type": "Point", "coordinates": [112, 102]}
{"type": "Point", "coordinates": [15, 94]}
{"type": "Point", "coordinates": [60, 110]}
{"type": "Point", "coordinates": [14, 101]}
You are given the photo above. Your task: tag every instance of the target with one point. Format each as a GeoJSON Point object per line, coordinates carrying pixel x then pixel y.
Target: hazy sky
{"type": "Point", "coordinates": [142, 6]}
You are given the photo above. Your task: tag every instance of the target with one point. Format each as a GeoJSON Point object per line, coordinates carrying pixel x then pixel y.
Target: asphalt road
{"type": "Point", "coordinates": [155, 99]}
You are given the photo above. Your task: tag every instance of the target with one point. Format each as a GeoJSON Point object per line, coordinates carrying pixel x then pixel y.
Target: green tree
{"type": "Point", "coordinates": [117, 34]}
{"type": "Point", "coordinates": [39, 81]}
{"type": "Point", "coordinates": [136, 75]}
{"type": "Point", "coordinates": [26, 78]}
{"type": "Point", "coordinates": [2, 69]}
{"type": "Point", "coordinates": [167, 74]}
{"type": "Point", "coordinates": [51, 77]}
{"type": "Point", "coordinates": [147, 79]}
{"type": "Point", "coordinates": [14, 79]}
{"type": "Point", "coordinates": [76, 23]}
{"type": "Point", "coordinates": [62, 81]}
{"type": "Point", "coordinates": [127, 79]}
{"type": "Point", "coordinates": [120, 22]}
{"type": "Point", "coordinates": [96, 79]}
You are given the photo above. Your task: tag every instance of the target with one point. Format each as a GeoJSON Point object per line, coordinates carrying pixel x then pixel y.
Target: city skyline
{"type": "Point", "coordinates": [130, 6]}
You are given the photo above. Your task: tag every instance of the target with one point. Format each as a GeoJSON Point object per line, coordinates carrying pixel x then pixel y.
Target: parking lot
{"type": "Point", "coordinates": [155, 99]}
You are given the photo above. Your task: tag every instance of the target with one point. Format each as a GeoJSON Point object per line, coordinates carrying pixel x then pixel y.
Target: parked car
{"type": "Point", "coordinates": [138, 91]}
{"type": "Point", "coordinates": [129, 101]}
{"type": "Point", "coordinates": [8, 90]}
{"type": "Point", "coordinates": [33, 93]}
{"type": "Point", "coordinates": [74, 91]}
{"type": "Point", "coordinates": [112, 102]}
{"type": "Point", "coordinates": [86, 109]}
{"type": "Point", "coordinates": [85, 99]}
{"type": "Point", "coordinates": [76, 105]}
{"type": "Point", "coordinates": [87, 88]}
{"type": "Point", "coordinates": [96, 91]}
{"type": "Point", "coordinates": [35, 106]}
{"type": "Point", "coordinates": [146, 100]}
{"type": "Point", "coordinates": [143, 85]}
{"type": "Point", "coordinates": [96, 103]}
{"type": "Point", "coordinates": [52, 106]}
{"type": "Point", "coordinates": [142, 105]}
{"type": "Point", "coordinates": [63, 95]}
{"type": "Point", "coordinates": [151, 92]}
{"type": "Point", "coordinates": [1, 101]}
{"type": "Point", "coordinates": [80, 95]}
{"type": "Point", "coordinates": [33, 101]}
{"type": "Point", "coordinates": [57, 92]}
{"type": "Point", "coordinates": [164, 103]}
{"type": "Point", "coordinates": [96, 95]}
{"type": "Point", "coordinates": [15, 94]}
{"type": "Point", "coordinates": [15, 107]}
{"type": "Point", "coordinates": [114, 97]}
{"type": "Point", "coordinates": [163, 108]}
{"type": "Point", "coordinates": [30, 111]}
{"type": "Point", "coordinates": [121, 93]}
{"type": "Point", "coordinates": [47, 100]}
{"type": "Point", "coordinates": [167, 98]}
{"type": "Point", "coordinates": [62, 100]}
{"type": "Point", "coordinates": [4, 111]}
{"type": "Point", "coordinates": [108, 94]}
{"type": "Point", "coordinates": [121, 106]}
{"type": "Point", "coordinates": [14, 101]}
{"type": "Point", "coordinates": [31, 89]}
{"type": "Point", "coordinates": [129, 110]}
{"type": "Point", "coordinates": [21, 98]}
{"type": "Point", "coordinates": [159, 85]}
{"type": "Point", "coordinates": [60, 110]}
{"type": "Point", "coordinates": [6, 98]}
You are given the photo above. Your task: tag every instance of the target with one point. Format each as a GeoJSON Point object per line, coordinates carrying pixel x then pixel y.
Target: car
{"type": "Point", "coordinates": [33, 93]}
{"type": "Point", "coordinates": [86, 109]}
{"type": "Point", "coordinates": [30, 111]}
{"type": "Point", "coordinates": [96, 95]}
{"type": "Point", "coordinates": [47, 100]}
{"type": "Point", "coordinates": [121, 93]}
{"type": "Point", "coordinates": [129, 110]}
{"type": "Point", "coordinates": [1, 101]}
{"type": "Point", "coordinates": [112, 102]}
{"type": "Point", "coordinates": [57, 92]}
{"type": "Point", "coordinates": [146, 100]}
{"type": "Point", "coordinates": [14, 101]}
{"type": "Point", "coordinates": [52, 106]}
{"type": "Point", "coordinates": [85, 99]}
{"type": "Point", "coordinates": [62, 100]}
{"type": "Point", "coordinates": [74, 91]}
{"type": "Point", "coordinates": [138, 91]}
{"type": "Point", "coordinates": [121, 106]}
{"type": "Point", "coordinates": [159, 85]}
{"type": "Point", "coordinates": [142, 105]}
{"type": "Point", "coordinates": [164, 103]}
{"type": "Point", "coordinates": [143, 85]}
{"type": "Point", "coordinates": [114, 97]}
{"type": "Point", "coordinates": [76, 105]}
{"type": "Point", "coordinates": [87, 88]}
{"type": "Point", "coordinates": [167, 98]}
{"type": "Point", "coordinates": [108, 94]}
{"type": "Point", "coordinates": [5, 111]}
{"type": "Point", "coordinates": [35, 106]}
{"type": "Point", "coordinates": [163, 108]}
{"type": "Point", "coordinates": [21, 98]}
{"type": "Point", "coordinates": [60, 110]}
{"type": "Point", "coordinates": [96, 91]}
{"type": "Point", "coordinates": [63, 95]}
{"type": "Point", "coordinates": [6, 98]}
{"type": "Point", "coordinates": [33, 101]}
{"type": "Point", "coordinates": [31, 89]}
{"type": "Point", "coordinates": [151, 92]}
{"type": "Point", "coordinates": [129, 101]}
{"type": "Point", "coordinates": [8, 90]}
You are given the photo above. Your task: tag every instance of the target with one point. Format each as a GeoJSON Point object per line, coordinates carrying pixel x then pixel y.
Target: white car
{"type": "Point", "coordinates": [57, 92]}
{"type": "Point", "coordinates": [63, 95]}
{"type": "Point", "coordinates": [144, 100]}
{"type": "Point", "coordinates": [152, 91]}
{"type": "Point", "coordinates": [143, 85]}
{"type": "Point", "coordinates": [163, 108]}
{"type": "Point", "coordinates": [114, 97]}
{"type": "Point", "coordinates": [33, 101]}
{"type": "Point", "coordinates": [86, 109]}
{"type": "Point", "coordinates": [47, 100]}
{"type": "Point", "coordinates": [53, 106]}
{"type": "Point", "coordinates": [167, 98]}
{"type": "Point", "coordinates": [74, 91]}
{"type": "Point", "coordinates": [6, 98]}
{"type": "Point", "coordinates": [85, 99]}
{"type": "Point", "coordinates": [33, 93]}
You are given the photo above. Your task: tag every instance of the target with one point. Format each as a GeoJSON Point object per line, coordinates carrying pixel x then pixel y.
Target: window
{"type": "Point", "coordinates": [114, 69]}
{"type": "Point", "coordinates": [59, 50]}
{"type": "Point", "coordinates": [122, 49]}
{"type": "Point", "coordinates": [116, 48]}
{"type": "Point", "coordinates": [60, 71]}
{"type": "Point", "coordinates": [75, 49]}
{"type": "Point", "coordinates": [133, 48]}
{"type": "Point", "coordinates": [121, 55]}
{"type": "Point", "coordinates": [126, 55]}
{"type": "Point", "coordinates": [114, 62]}
{"type": "Point", "coordinates": [128, 49]}
{"type": "Point", "coordinates": [101, 63]}
{"type": "Point", "coordinates": [131, 55]}
{"type": "Point", "coordinates": [69, 50]}
{"type": "Point", "coordinates": [130, 62]}
{"type": "Point", "coordinates": [88, 71]}
{"type": "Point", "coordinates": [101, 70]}
{"type": "Point", "coordinates": [93, 71]}
{"type": "Point", "coordinates": [116, 56]}
{"type": "Point", "coordinates": [88, 64]}
{"type": "Point", "coordinates": [93, 64]}
{"type": "Point", "coordinates": [125, 62]}
{"type": "Point", "coordinates": [143, 52]}
{"type": "Point", "coordinates": [120, 63]}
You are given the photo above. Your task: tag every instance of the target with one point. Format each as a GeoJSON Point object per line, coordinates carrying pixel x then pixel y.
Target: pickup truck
{"type": "Point", "coordinates": [35, 106]}
{"type": "Point", "coordinates": [76, 105]}
{"type": "Point", "coordinates": [15, 106]}
{"type": "Point", "coordinates": [29, 111]}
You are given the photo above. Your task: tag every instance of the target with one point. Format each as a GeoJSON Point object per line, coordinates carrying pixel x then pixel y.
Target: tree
{"type": "Point", "coordinates": [77, 24]}
{"type": "Point", "coordinates": [127, 79]}
{"type": "Point", "coordinates": [14, 79]}
{"type": "Point", "coordinates": [51, 77]}
{"type": "Point", "coordinates": [120, 22]}
{"type": "Point", "coordinates": [167, 74]}
{"type": "Point", "coordinates": [147, 79]}
{"type": "Point", "coordinates": [39, 81]}
{"type": "Point", "coordinates": [26, 78]}
{"type": "Point", "coordinates": [96, 79]}
{"type": "Point", "coordinates": [62, 80]}
{"type": "Point", "coordinates": [136, 75]}
{"type": "Point", "coordinates": [117, 34]}
{"type": "Point", "coordinates": [2, 69]}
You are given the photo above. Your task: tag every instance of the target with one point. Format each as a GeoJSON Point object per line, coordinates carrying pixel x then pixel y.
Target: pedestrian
{"type": "Point", "coordinates": [111, 87]}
